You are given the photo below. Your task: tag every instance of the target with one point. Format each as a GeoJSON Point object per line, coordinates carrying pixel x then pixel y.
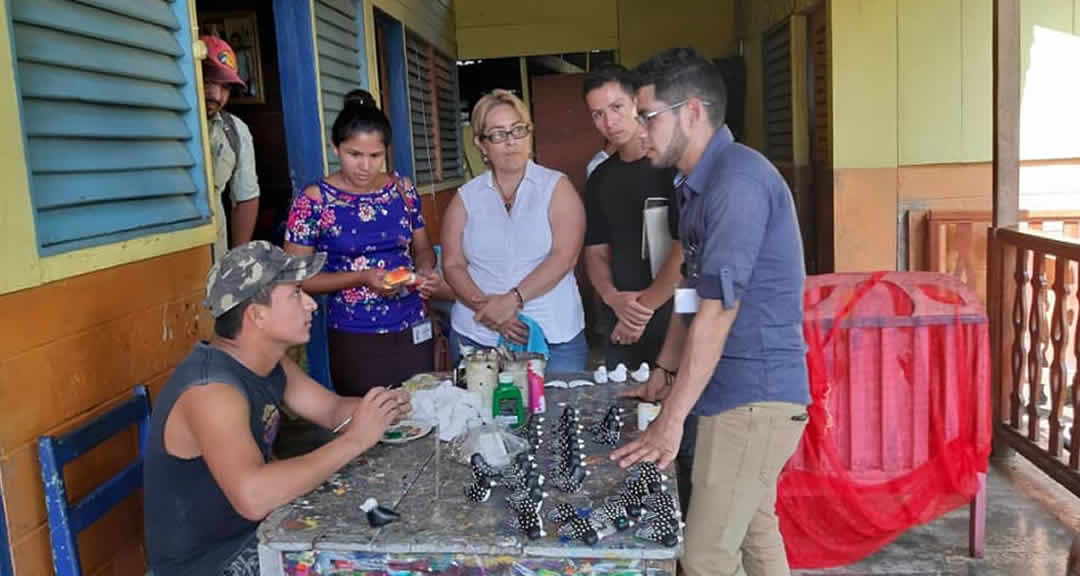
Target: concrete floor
{"type": "Point", "coordinates": [1030, 524]}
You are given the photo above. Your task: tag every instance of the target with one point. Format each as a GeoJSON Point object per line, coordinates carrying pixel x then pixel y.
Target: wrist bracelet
{"type": "Point", "coordinates": [669, 376]}
{"type": "Point", "coordinates": [521, 299]}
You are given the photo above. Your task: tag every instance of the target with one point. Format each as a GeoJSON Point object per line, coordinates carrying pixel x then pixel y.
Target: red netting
{"type": "Point", "coordinates": [900, 423]}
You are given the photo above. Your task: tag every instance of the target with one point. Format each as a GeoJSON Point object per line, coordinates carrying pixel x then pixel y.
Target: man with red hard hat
{"type": "Point", "coordinates": [236, 186]}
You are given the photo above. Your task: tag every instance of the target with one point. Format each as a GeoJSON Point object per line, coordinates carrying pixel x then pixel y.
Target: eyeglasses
{"type": "Point", "coordinates": [644, 118]}
{"type": "Point", "coordinates": [517, 133]}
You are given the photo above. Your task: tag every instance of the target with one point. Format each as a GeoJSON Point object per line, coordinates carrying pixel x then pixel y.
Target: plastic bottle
{"type": "Point", "coordinates": [507, 405]}
{"type": "Point", "coordinates": [534, 372]}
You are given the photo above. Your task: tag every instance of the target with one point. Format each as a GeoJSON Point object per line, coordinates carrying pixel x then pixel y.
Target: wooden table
{"type": "Point", "coordinates": [325, 532]}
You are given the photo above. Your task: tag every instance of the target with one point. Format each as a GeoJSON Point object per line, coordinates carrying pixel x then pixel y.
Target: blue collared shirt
{"type": "Point", "coordinates": [742, 244]}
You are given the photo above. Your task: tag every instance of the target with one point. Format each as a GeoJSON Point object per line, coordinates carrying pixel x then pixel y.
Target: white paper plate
{"type": "Point", "coordinates": [406, 431]}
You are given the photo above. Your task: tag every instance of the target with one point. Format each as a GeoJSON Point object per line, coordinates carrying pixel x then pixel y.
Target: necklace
{"type": "Point", "coordinates": [508, 203]}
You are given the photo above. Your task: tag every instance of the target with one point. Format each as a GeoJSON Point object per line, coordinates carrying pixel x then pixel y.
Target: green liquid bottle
{"type": "Point", "coordinates": [507, 406]}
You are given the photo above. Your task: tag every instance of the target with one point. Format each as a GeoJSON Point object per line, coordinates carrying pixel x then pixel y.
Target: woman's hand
{"type": "Point", "coordinates": [432, 285]}
{"type": "Point", "coordinates": [515, 331]}
{"type": "Point", "coordinates": [375, 279]}
{"type": "Point", "coordinates": [498, 311]}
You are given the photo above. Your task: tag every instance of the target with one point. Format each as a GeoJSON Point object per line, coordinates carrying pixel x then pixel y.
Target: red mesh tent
{"type": "Point", "coordinates": [900, 425]}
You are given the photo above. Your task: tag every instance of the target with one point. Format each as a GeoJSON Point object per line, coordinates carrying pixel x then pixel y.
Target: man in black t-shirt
{"type": "Point", "coordinates": [637, 307]}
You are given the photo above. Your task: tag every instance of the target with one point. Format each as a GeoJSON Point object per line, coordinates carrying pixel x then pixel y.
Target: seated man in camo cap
{"type": "Point", "coordinates": [208, 476]}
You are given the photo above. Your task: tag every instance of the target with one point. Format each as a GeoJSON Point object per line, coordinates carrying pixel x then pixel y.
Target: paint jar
{"type": "Point", "coordinates": [482, 375]}
{"type": "Point", "coordinates": [646, 412]}
{"type": "Point", "coordinates": [515, 367]}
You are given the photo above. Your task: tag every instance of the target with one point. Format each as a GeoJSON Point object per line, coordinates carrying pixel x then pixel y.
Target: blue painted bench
{"type": "Point", "coordinates": [66, 520]}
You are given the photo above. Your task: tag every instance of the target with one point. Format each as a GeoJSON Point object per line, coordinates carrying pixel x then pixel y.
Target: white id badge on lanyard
{"type": "Point", "coordinates": [421, 332]}
{"type": "Point", "coordinates": [686, 301]}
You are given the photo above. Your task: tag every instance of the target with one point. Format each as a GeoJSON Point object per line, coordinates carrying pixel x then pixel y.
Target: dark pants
{"type": "Point", "coordinates": [360, 362]}
{"type": "Point", "coordinates": [646, 349]}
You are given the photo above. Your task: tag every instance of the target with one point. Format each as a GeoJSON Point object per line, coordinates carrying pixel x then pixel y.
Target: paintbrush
{"type": "Point", "coordinates": [343, 424]}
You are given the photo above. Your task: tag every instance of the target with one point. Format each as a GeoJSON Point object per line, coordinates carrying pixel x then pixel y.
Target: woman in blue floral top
{"type": "Point", "coordinates": [369, 223]}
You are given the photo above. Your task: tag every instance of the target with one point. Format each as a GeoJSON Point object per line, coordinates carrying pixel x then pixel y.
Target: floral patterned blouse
{"type": "Point", "coordinates": [360, 232]}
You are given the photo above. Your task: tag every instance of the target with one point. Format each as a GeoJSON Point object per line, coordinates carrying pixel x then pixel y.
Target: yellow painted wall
{"type": "Point", "coordinates": [645, 29]}
{"type": "Point", "coordinates": [945, 81]}
{"type": "Point", "coordinates": [431, 19]}
{"type": "Point", "coordinates": [497, 28]}
{"type": "Point", "coordinates": [23, 268]}
{"type": "Point", "coordinates": [930, 81]}
{"type": "Point", "coordinates": [864, 83]}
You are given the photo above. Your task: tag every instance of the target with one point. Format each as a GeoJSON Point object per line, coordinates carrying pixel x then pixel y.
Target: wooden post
{"type": "Point", "coordinates": [1006, 112]}
{"type": "Point", "coordinates": [1006, 179]}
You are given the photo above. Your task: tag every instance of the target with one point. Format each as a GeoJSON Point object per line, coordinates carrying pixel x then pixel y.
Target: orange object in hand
{"type": "Point", "coordinates": [399, 277]}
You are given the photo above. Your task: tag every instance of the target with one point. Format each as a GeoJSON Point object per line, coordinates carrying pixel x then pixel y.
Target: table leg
{"type": "Point", "coordinates": [270, 561]}
{"type": "Point", "coordinates": [977, 520]}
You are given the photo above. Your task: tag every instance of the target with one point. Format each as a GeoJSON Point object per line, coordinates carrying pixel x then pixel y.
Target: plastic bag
{"type": "Point", "coordinates": [494, 441]}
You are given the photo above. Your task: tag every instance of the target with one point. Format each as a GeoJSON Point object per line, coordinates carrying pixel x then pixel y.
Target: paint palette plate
{"type": "Point", "coordinates": [406, 431]}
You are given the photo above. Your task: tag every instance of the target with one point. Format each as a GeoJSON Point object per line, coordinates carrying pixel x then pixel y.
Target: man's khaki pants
{"type": "Point", "coordinates": [731, 528]}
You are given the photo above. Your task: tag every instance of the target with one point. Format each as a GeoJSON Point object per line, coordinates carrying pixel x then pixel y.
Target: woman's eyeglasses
{"type": "Point", "coordinates": [517, 133]}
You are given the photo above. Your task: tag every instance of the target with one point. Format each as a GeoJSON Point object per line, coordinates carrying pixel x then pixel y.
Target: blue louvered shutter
{"type": "Point", "coordinates": [337, 37]}
{"type": "Point", "coordinates": [110, 117]}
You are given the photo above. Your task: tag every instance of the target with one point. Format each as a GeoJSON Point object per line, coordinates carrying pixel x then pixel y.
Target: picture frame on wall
{"type": "Point", "coordinates": [240, 29]}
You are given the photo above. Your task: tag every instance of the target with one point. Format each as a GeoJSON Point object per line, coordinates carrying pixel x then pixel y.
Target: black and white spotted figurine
{"type": "Point", "coordinates": [524, 462]}
{"type": "Point", "coordinates": [529, 522]}
{"type": "Point", "coordinates": [614, 514]}
{"type": "Point", "coordinates": [526, 499]}
{"type": "Point", "coordinates": [663, 516]}
{"type": "Point", "coordinates": [566, 442]}
{"type": "Point", "coordinates": [612, 419]}
{"type": "Point", "coordinates": [480, 490]}
{"type": "Point", "coordinates": [524, 465]}
{"type": "Point", "coordinates": [661, 532]}
{"type": "Point", "coordinates": [662, 501]}
{"type": "Point", "coordinates": [562, 513]}
{"type": "Point", "coordinates": [637, 488]}
{"type": "Point", "coordinates": [534, 433]}
{"type": "Point", "coordinates": [571, 481]}
{"type": "Point", "coordinates": [586, 530]}
{"type": "Point", "coordinates": [534, 479]}
{"type": "Point", "coordinates": [651, 475]}
{"type": "Point", "coordinates": [633, 505]}
{"type": "Point", "coordinates": [481, 470]}
{"type": "Point", "coordinates": [568, 417]}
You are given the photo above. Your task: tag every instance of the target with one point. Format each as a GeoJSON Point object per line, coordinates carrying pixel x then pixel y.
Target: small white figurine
{"type": "Point", "coordinates": [641, 374]}
{"type": "Point", "coordinates": [600, 376]}
{"type": "Point", "coordinates": [618, 375]}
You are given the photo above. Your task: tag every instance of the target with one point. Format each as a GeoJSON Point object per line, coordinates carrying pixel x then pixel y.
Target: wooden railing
{"type": "Point", "coordinates": [955, 242]}
{"type": "Point", "coordinates": [1035, 341]}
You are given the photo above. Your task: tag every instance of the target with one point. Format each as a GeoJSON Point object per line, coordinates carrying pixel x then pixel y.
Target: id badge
{"type": "Point", "coordinates": [421, 332]}
{"type": "Point", "coordinates": [686, 301]}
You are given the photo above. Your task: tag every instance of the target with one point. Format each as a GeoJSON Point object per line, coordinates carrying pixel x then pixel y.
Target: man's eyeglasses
{"type": "Point", "coordinates": [644, 118]}
{"type": "Point", "coordinates": [517, 133]}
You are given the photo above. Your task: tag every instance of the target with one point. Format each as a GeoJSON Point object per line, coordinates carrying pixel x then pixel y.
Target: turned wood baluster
{"type": "Point", "coordinates": [1074, 445]}
{"type": "Point", "coordinates": [1058, 370]}
{"type": "Point", "coordinates": [1019, 344]}
{"type": "Point", "coordinates": [1038, 283]}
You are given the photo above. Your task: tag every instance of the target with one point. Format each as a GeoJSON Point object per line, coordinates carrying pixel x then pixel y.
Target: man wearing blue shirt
{"type": "Point", "coordinates": [739, 360]}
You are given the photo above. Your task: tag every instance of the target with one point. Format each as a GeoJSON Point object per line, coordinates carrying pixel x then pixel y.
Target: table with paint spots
{"type": "Point", "coordinates": [442, 532]}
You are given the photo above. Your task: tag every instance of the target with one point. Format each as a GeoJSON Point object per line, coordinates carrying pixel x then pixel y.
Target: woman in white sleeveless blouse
{"type": "Point", "coordinates": [511, 238]}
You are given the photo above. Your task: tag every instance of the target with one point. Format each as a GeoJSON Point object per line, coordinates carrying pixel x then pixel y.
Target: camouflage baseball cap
{"type": "Point", "coordinates": [244, 270]}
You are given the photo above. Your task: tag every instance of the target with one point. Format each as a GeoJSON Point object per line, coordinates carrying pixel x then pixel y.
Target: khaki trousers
{"type": "Point", "coordinates": [731, 528]}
